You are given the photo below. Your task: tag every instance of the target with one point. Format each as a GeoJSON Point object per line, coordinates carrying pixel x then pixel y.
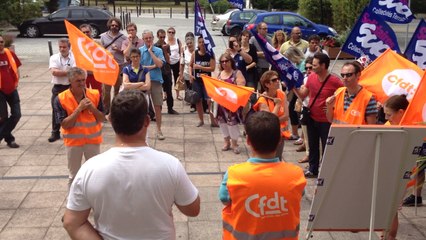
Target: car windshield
{"type": "Point", "coordinates": [253, 19]}
{"type": "Point", "coordinates": [60, 14]}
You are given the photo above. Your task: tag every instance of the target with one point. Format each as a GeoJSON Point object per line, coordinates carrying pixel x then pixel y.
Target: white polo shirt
{"type": "Point", "coordinates": [61, 63]}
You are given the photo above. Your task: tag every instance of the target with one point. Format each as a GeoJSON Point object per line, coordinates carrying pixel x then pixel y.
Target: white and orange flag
{"type": "Point", "coordinates": [416, 111]}
{"type": "Point", "coordinates": [391, 74]}
{"type": "Point", "coordinates": [92, 57]}
{"type": "Point", "coordinates": [228, 95]}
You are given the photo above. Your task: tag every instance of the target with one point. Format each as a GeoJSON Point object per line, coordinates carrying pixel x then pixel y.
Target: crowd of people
{"type": "Point", "coordinates": [148, 71]}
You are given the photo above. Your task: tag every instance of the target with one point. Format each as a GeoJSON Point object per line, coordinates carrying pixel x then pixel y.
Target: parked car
{"type": "Point", "coordinates": [219, 21]}
{"type": "Point", "coordinates": [287, 20]}
{"type": "Point", "coordinates": [54, 23]}
{"type": "Point", "coordinates": [238, 19]}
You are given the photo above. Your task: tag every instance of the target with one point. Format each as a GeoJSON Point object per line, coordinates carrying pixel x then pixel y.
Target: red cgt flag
{"type": "Point", "coordinates": [416, 110]}
{"type": "Point", "coordinates": [391, 74]}
{"type": "Point", "coordinates": [226, 94]}
{"type": "Point", "coordinates": [92, 57]}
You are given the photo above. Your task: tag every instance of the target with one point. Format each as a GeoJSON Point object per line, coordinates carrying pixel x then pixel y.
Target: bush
{"type": "Point", "coordinates": [418, 6]}
{"type": "Point", "coordinates": [346, 12]}
{"type": "Point", "coordinates": [219, 7]}
{"type": "Point", "coordinates": [14, 12]}
{"type": "Point", "coordinates": [311, 9]}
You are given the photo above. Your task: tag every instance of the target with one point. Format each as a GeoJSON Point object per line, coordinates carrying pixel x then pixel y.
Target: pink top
{"type": "Point", "coordinates": [313, 84]}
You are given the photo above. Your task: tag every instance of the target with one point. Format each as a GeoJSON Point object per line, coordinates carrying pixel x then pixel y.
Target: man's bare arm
{"type": "Point", "coordinates": [77, 225]}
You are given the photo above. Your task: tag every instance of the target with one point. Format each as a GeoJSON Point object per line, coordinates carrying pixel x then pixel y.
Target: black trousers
{"type": "Point", "coordinates": [167, 88]}
{"type": "Point", "coordinates": [316, 131]}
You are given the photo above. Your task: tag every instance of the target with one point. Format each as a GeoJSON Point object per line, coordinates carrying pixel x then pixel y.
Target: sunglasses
{"type": "Point", "coordinates": [346, 75]}
{"type": "Point", "coordinates": [224, 61]}
{"type": "Point", "coordinates": [275, 79]}
{"type": "Point", "coordinates": [1, 41]}
{"type": "Point", "coordinates": [171, 32]}
{"type": "Point", "coordinates": [308, 68]}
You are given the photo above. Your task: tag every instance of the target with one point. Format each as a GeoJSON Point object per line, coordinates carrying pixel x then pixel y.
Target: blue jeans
{"type": "Point", "coordinates": [8, 123]}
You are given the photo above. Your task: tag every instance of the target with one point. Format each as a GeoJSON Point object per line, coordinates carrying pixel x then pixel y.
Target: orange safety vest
{"type": "Point", "coordinates": [283, 125]}
{"type": "Point", "coordinates": [13, 65]}
{"type": "Point", "coordinates": [265, 201]}
{"type": "Point", "coordinates": [355, 114]}
{"type": "Point", "coordinates": [86, 129]}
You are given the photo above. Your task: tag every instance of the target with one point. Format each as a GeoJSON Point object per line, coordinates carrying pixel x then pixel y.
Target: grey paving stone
{"type": "Point", "coordinates": [206, 180]}
{"type": "Point", "coordinates": [209, 194]}
{"type": "Point", "coordinates": [56, 170]}
{"type": "Point", "coordinates": [195, 156]}
{"type": "Point", "coordinates": [210, 211]}
{"type": "Point", "coordinates": [55, 233]}
{"type": "Point", "coordinates": [202, 167]}
{"type": "Point", "coordinates": [26, 171]}
{"type": "Point", "coordinates": [11, 200]}
{"type": "Point", "coordinates": [5, 216]}
{"type": "Point", "coordinates": [43, 200]}
{"type": "Point", "coordinates": [202, 230]}
{"type": "Point", "coordinates": [3, 171]}
{"type": "Point", "coordinates": [31, 159]}
{"type": "Point", "coordinates": [51, 185]}
{"type": "Point", "coordinates": [7, 160]}
{"type": "Point", "coordinates": [20, 233]}
{"type": "Point", "coordinates": [181, 230]}
{"type": "Point", "coordinates": [33, 217]}
{"type": "Point", "coordinates": [23, 185]}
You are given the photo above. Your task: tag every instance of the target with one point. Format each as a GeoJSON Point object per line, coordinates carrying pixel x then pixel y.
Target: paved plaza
{"type": "Point", "coordinates": [33, 178]}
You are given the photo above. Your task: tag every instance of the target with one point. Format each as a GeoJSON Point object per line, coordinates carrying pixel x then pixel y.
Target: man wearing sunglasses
{"type": "Point", "coordinates": [9, 77]}
{"type": "Point", "coordinates": [351, 104]}
{"type": "Point", "coordinates": [112, 40]}
{"type": "Point", "coordinates": [319, 86]}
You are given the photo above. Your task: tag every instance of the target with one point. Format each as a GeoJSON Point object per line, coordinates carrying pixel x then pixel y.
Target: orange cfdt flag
{"type": "Point", "coordinates": [91, 56]}
{"type": "Point", "coordinates": [416, 110]}
{"type": "Point", "coordinates": [228, 95]}
{"type": "Point", "coordinates": [391, 74]}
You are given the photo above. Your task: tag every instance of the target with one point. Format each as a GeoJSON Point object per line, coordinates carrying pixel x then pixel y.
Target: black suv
{"type": "Point", "coordinates": [238, 19]}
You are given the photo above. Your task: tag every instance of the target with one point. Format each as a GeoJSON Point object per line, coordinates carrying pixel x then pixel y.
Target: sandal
{"type": "Point", "coordinates": [226, 148]}
{"type": "Point", "coordinates": [236, 150]}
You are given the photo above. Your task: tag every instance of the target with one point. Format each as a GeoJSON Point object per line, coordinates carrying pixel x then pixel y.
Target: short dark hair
{"type": "Point", "coordinates": [323, 59]}
{"type": "Point", "coordinates": [263, 131]}
{"type": "Point", "coordinates": [160, 31]}
{"type": "Point", "coordinates": [314, 37]}
{"type": "Point", "coordinates": [131, 24]}
{"type": "Point", "coordinates": [397, 102]}
{"type": "Point", "coordinates": [85, 25]}
{"type": "Point", "coordinates": [230, 58]}
{"type": "Point", "coordinates": [357, 66]}
{"type": "Point", "coordinates": [135, 50]}
{"type": "Point", "coordinates": [309, 60]}
{"type": "Point", "coordinates": [128, 112]}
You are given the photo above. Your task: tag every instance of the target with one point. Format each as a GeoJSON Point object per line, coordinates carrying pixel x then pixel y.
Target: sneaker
{"type": "Point", "coordinates": [309, 174]}
{"type": "Point", "coordinates": [160, 136]}
{"type": "Point", "coordinates": [293, 137]}
{"type": "Point", "coordinates": [12, 144]}
{"type": "Point", "coordinates": [298, 141]}
{"type": "Point", "coordinates": [54, 137]}
{"type": "Point", "coordinates": [410, 201]}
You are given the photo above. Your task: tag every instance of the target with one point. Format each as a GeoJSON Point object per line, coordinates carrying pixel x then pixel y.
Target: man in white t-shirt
{"type": "Point", "coordinates": [131, 187]}
{"type": "Point", "coordinates": [59, 64]}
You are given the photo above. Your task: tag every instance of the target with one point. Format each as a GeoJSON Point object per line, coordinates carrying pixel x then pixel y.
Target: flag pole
{"type": "Point", "coordinates": [335, 60]}
{"type": "Point", "coordinates": [408, 25]}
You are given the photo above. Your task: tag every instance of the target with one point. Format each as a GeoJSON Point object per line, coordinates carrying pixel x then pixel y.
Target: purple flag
{"type": "Point", "coordinates": [416, 48]}
{"type": "Point", "coordinates": [201, 30]}
{"type": "Point", "coordinates": [289, 73]}
{"type": "Point", "coordinates": [370, 36]}
{"type": "Point", "coordinates": [394, 11]}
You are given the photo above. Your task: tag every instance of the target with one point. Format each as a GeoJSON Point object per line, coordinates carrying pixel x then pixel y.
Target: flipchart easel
{"type": "Point", "coordinates": [363, 166]}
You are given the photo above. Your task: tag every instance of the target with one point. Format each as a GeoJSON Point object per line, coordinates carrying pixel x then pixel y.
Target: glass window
{"type": "Point", "coordinates": [96, 14]}
{"type": "Point", "coordinates": [77, 13]}
{"type": "Point", "coordinates": [60, 14]}
{"type": "Point", "coordinates": [273, 20]}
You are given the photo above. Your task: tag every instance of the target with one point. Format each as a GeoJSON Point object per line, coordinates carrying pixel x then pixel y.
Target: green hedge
{"type": "Point", "coordinates": [346, 13]}
{"type": "Point", "coordinates": [311, 9]}
{"type": "Point", "coordinates": [16, 11]}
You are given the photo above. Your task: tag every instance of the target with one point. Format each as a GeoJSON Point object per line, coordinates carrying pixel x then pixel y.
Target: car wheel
{"type": "Point", "coordinates": [223, 30]}
{"type": "Point", "coordinates": [235, 31]}
{"type": "Point", "coordinates": [95, 32]}
{"type": "Point", "coordinates": [32, 31]}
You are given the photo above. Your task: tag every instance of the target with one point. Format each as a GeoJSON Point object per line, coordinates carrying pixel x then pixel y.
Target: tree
{"type": "Point", "coordinates": [177, 2]}
{"type": "Point", "coordinates": [346, 12]}
{"type": "Point", "coordinates": [318, 11]}
{"type": "Point", "coordinates": [16, 11]}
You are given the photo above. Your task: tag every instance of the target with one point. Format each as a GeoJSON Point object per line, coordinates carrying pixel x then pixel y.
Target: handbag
{"type": "Point", "coordinates": [180, 85]}
{"type": "Point", "coordinates": [191, 96]}
{"type": "Point", "coordinates": [305, 115]}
